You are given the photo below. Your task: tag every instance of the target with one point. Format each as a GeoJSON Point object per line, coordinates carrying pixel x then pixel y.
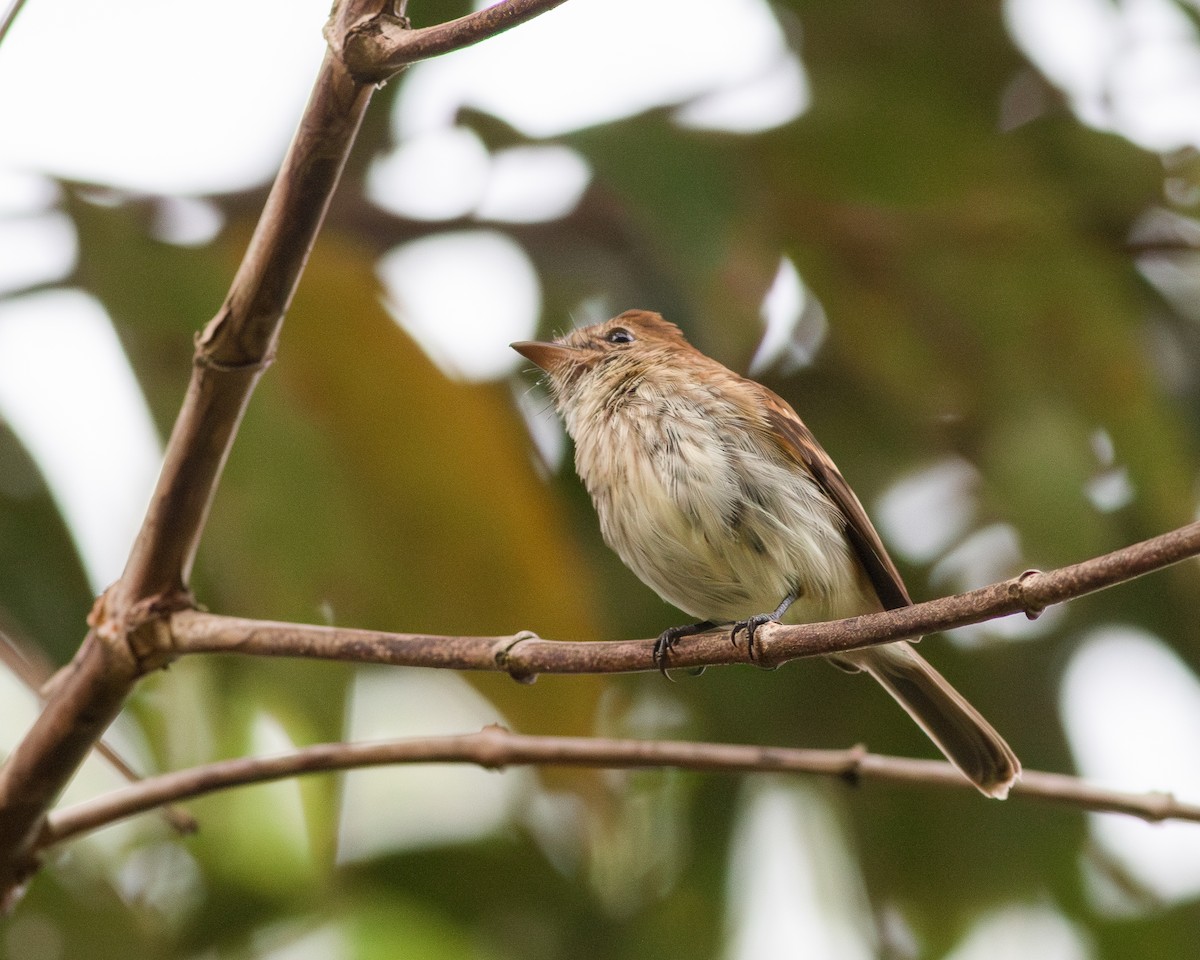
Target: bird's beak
{"type": "Point", "coordinates": [549, 356]}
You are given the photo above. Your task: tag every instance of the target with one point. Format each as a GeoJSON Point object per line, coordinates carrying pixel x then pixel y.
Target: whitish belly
{"type": "Point", "coordinates": [723, 533]}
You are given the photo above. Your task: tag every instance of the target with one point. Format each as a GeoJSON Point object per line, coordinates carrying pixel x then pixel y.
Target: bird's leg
{"type": "Point", "coordinates": [672, 635]}
{"type": "Point", "coordinates": [751, 624]}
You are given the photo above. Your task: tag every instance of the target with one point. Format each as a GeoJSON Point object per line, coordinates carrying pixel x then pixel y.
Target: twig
{"type": "Point", "coordinates": [230, 357]}
{"type": "Point", "coordinates": [383, 46]}
{"type": "Point", "coordinates": [29, 666]}
{"type": "Point", "coordinates": [10, 17]}
{"type": "Point", "coordinates": [495, 748]}
{"type": "Point", "coordinates": [128, 636]}
{"type": "Point", "coordinates": [524, 655]}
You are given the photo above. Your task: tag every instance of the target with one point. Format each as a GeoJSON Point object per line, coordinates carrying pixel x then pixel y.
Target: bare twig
{"type": "Point", "coordinates": [495, 748]}
{"type": "Point", "coordinates": [9, 17]}
{"type": "Point", "coordinates": [230, 356]}
{"type": "Point", "coordinates": [383, 46]}
{"type": "Point", "coordinates": [524, 655]}
{"type": "Point", "coordinates": [129, 635]}
{"type": "Point", "coordinates": [29, 666]}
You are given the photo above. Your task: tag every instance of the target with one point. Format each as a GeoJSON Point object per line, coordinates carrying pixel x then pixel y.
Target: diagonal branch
{"type": "Point", "coordinates": [525, 655]}
{"type": "Point", "coordinates": [381, 47]}
{"type": "Point", "coordinates": [128, 636]}
{"type": "Point", "coordinates": [28, 665]}
{"type": "Point", "coordinates": [9, 17]}
{"type": "Point", "coordinates": [495, 747]}
{"type": "Point", "coordinates": [230, 356]}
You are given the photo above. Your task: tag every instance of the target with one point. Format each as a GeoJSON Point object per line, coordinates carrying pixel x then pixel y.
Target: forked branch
{"type": "Point", "coordinates": [382, 46]}
{"type": "Point", "coordinates": [128, 635]}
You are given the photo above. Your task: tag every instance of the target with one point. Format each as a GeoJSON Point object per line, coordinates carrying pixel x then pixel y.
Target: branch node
{"type": "Point", "coordinates": [142, 630]}
{"type": "Point", "coordinates": [377, 47]}
{"type": "Point", "coordinates": [364, 48]}
{"type": "Point", "coordinates": [493, 752]}
{"type": "Point", "coordinates": [152, 644]}
{"type": "Point", "coordinates": [851, 772]}
{"type": "Point", "coordinates": [206, 360]}
{"type": "Point", "coordinates": [760, 653]}
{"type": "Point", "coordinates": [502, 652]}
{"type": "Point", "coordinates": [1021, 590]}
{"type": "Point", "coordinates": [1160, 805]}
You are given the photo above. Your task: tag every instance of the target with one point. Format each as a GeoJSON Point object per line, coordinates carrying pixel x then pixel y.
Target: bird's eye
{"type": "Point", "coordinates": [619, 335]}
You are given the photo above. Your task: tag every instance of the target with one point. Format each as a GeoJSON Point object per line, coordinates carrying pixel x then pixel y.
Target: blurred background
{"type": "Point", "coordinates": [962, 239]}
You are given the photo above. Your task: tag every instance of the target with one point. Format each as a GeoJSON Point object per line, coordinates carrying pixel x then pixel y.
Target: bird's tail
{"type": "Point", "coordinates": [967, 740]}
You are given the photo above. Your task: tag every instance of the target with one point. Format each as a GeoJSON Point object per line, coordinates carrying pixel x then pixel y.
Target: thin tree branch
{"type": "Point", "coordinates": [496, 748]}
{"type": "Point", "coordinates": [524, 655]}
{"type": "Point", "coordinates": [10, 17]}
{"type": "Point", "coordinates": [28, 665]}
{"type": "Point", "coordinates": [381, 47]}
{"type": "Point", "coordinates": [128, 635]}
{"type": "Point", "coordinates": [237, 345]}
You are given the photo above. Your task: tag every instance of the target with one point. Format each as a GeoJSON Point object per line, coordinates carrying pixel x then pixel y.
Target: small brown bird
{"type": "Point", "coordinates": [714, 492]}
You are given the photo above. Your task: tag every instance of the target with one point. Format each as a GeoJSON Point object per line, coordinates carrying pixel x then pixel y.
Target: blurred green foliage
{"type": "Point", "coordinates": [983, 302]}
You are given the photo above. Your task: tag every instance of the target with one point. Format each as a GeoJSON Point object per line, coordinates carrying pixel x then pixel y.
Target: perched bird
{"type": "Point", "coordinates": [714, 492]}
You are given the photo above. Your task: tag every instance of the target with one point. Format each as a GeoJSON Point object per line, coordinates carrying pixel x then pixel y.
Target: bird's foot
{"type": "Point", "coordinates": [751, 624]}
{"type": "Point", "coordinates": [672, 635]}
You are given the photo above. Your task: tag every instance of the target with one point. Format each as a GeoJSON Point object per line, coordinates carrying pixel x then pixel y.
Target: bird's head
{"type": "Point", "coordinates": [606, 355]}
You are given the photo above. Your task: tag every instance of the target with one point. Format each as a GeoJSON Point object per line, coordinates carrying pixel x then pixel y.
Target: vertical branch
{"type": "Point", "coordinates": [9, 17]}
{"type": "Point", "coordinates": [130, 633]}
{"type": "Point", "coordinates": [239, 342]}
{"type": "Point", "coordinates": [237, 345]}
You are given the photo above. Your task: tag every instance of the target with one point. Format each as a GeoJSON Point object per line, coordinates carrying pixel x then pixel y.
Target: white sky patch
{"type": "Point", "coordinates": [1072, 42]}
{"type": "Point", "coordinates": [164, 877]}
{"type": "Point", "coordinates": [278, 803]}
{"type": "Point", "coordinates": [39, 249]}
{"type": "Point", "coordinates": [1132, 714]}
{"type": "Point", "coordinates": [1172, 261]}
{"type": "Point", "coordinates": [1023, 932]}
{"type": "Point", "coordinates": [464, 297]}
{"type": "Point", "coordinates": [795, 323]}
{"type": "Point", "coordinates": [1131, 67]}
{"type": "Point", "coordinates": [780, 311]}
{"type": "Point", "coordinates": [580, 65]}
{"type": "Point", "coordinates": [297, 941]}
{"type": "Point", "coordinates": [987, 555]}
{"type": "Point", "coordinates": [24, 193]}
{"type": "Point", "coordinates": [534, 184]}
{"type": "Point", "coordinates": [174, 100]}
{"type": "Point", "coordinates": [186, 221]}
{"type": "Point", "coordinates": [544, 426]}
{"type": "Point", "coordinates": [925, 512]}
{"type": "Point", "coordinates": [433, 175]}
{"type": "Point", "coordinates": [69, 394]}
{"type": "Point", "coordinates": [409, 807]}
{"type": "Point", "coordinates": [18, 708]}
{"type": "Point", "coordinates": [778, 96]}
{"type": "Point", "coordinates": [1111, 490]}
{"type": "Point", "coordinates": [1110, 487]}
{"type": "Point", "coordinates": [793, 886]}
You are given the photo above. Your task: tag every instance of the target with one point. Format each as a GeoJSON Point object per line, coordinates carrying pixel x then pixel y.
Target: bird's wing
{"type": "Point", "coordinates": [798, 443]}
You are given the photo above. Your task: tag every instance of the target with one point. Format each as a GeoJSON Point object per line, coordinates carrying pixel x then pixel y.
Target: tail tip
{"type": "Point", "coordinates": [998, 787]}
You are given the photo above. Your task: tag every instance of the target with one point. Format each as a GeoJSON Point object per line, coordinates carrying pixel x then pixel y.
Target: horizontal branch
{"type": "Point", "coordinates": [382, 46]}
{"type": "Point", "coordinates": [496, 748]}
{"type": "Point", "coordinates": [524, 655]}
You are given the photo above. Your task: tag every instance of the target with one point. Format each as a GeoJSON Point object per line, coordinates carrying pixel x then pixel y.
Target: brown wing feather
{"type": "Point", "coordinates": [798, 442]}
